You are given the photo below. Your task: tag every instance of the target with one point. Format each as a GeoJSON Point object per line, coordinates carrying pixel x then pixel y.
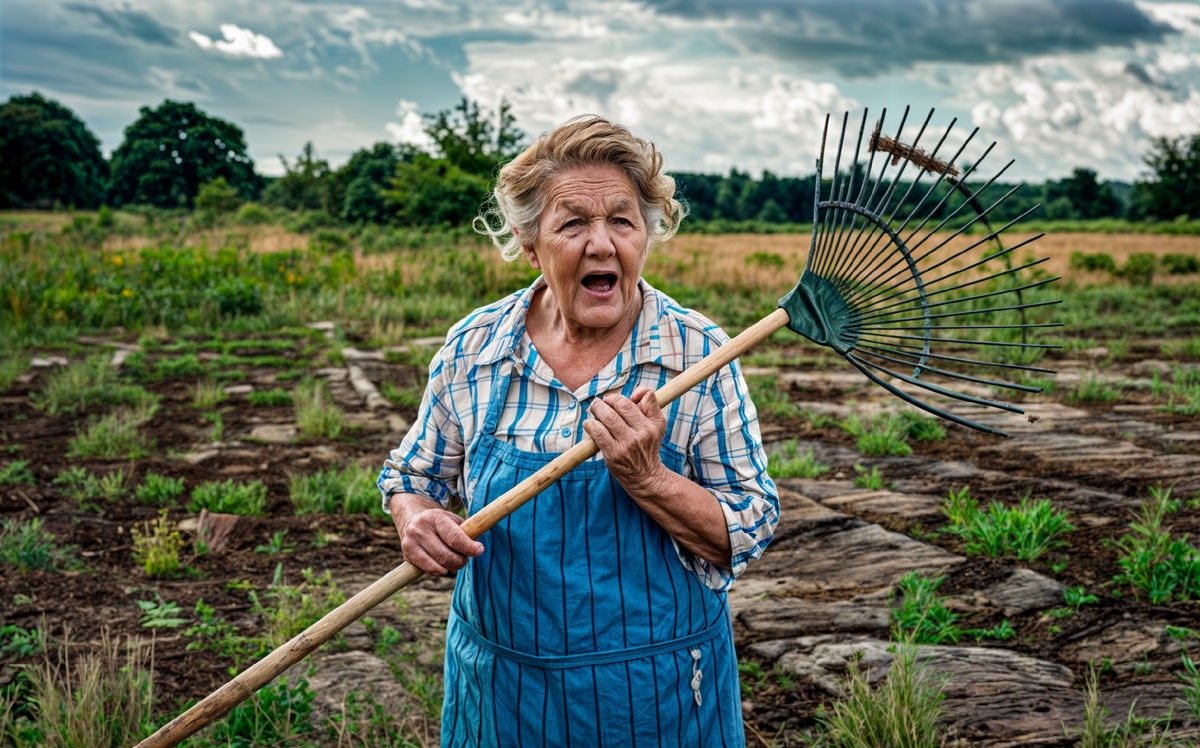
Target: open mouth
{"type": "Point", "coordinates": [600, 283]}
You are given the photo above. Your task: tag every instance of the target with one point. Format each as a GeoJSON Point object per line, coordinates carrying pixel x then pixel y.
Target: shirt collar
{"type": "Point", "coordinates": [659, 340]}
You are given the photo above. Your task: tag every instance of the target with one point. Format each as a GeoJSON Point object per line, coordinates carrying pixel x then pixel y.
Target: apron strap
{"type": "Point", "coordinates": [591, 658]}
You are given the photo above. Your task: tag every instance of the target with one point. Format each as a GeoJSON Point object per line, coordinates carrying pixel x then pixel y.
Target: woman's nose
{"type": "Point", "coordinates": [600, 243]}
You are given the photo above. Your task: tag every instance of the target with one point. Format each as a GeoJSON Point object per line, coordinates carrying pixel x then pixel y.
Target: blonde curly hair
{"type": "Point", "coordinates": [586, 140]}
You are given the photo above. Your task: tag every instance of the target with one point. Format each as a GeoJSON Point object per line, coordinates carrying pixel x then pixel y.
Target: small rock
{"type": "Point", "coordinates": [48, 361]}
{"type": "Point", "coordinates": [430, 342]}
{"type": "Point", "coordinates": [1099, 352]}
{"type": "Point", "coordinates": [333, 375]}
{"type": "Point", "coordinates": [239, 389]}
{"type": "Point", "coordinates": [119, 357]}
{"type": "Point", "coordinates": [274, 433]}
{"type": "Point", "coordinates": [195, 458]}
{"type": "Point", "coordinates": [397, 424]}
{"type": "Point", "coordinates": [1024, 590]}
{"type": "Point", "coordinates": [323, 326]}
{"type": "Point", "coordinates": [189, 524]}
{"type": "Point", "coordinates": [324, 452]}
{"type": "Point", "coordinates": [353, 354]}
{"type": "Point", "coordinates": [1150, 367]}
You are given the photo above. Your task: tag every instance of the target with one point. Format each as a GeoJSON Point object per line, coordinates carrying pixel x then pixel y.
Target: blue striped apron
{"type": "Point", "coordinates": [578, 625]}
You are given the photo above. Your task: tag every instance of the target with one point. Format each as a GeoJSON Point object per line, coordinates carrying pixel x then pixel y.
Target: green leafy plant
{"type": "Point", "coordinates": [1191, 692]}
{"type": "Point", "coordinates": [1092, 389]}
{"type": "Point", "coordinates": [156, 548]}
{"type": "Point", "coordinates": [1133, 731]}
{"type": "Point", "coordinates": [1077, 597]}
{"type": "Point", "coordinates": [229, 497]}
{"type": "Point", "coordinates": [1151, 561]}
{"type": "Point", "coordinates": [921, 615]}
{"type": "Point", "coordinates": [215, 635]}
{"type": "Point", "coordinates": [769, 397]}
{"type": "Point", "coordinates": [158, 490]}
{"type": "Point", "coordinates": [277, 716]}
{"type": "Point", "coordinates": [17, 472]}
{"type": "Point", "coordinates": [87, 488]}
{"type": "Point", "coordinates": [922, 427]}
{"type": "Point", "coordinates": [901, 713]}
{"type": "Point", "coordinates": [160, 614]}
{"type": "Point", "coordinates": [27, 546]}
{"type": "Point", "coordinates": [405, 397]}
{"type": "Point", "coordinates": [879, 436]}
{"type": "Point", "coordinates": [114, 435]}
{"type": "Point", "coordinates": [270, 398]}
{"type": "Point", "coordinates": [217, 430]}
{"type": "Point", "coordinates": [316, 413]}
{"type": "Point", "coordinates": [21, 642]}
{"type": "Point", "coordinates": [276, 545]}
{"type": "Point", "coordinates": [87, 384]}
{"type": "Point", "coordinates": [787, 462]}
{"type": "Point", "coordinates": [870, 479]}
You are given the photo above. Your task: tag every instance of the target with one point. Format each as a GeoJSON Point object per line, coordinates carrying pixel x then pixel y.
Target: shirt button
{"type": "Point", "coordinates": [571, 405]}
{"type": "Point", "coordinates": [566, 432]}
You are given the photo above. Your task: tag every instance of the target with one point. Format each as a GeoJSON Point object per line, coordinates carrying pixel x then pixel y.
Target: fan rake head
{"type": "Point", "coordinates": [884, 282]}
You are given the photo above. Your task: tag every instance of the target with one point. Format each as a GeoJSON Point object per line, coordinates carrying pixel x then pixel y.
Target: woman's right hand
{"type": "Point", "coordinates": [430, 536]}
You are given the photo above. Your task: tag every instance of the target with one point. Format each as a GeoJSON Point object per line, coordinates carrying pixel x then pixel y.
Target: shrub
{"type": "Point", "coordinates": [252, 214]}
{"type": "Point", "coordinates": [787, 462]}
{"type": "Point", "coordinates": [902, 713]}
{"type": "Point", "coordinates": [114, 435]}
{"type": "Point", "coordinates": [156, 548]}
{"type": "Point", "coordinates": [248, 499]}
{"type": "Point", "coordinates": [1027, 531]}
{"type": "Point", "coordinates": [921, 614]}
{"type": "Point", "coordinates": [187, 365]}
{"type": "Point", "coordinates": [352, 491]}
{"type": "Point", "coordinates": [1179, 264]}
{"type": "Point", "coordinates": [159, 490]}
{"type": "Point", "coordinates": [1139, 268]}
{"type": "Point", "coordinates": [1090, 262]}
{"type": "Point", "coordinates": [87, 384]}
{"type": "Point", "coordinates": [316, 414]}
{"type": "Point", "coordinates": [270, 398]}
{"type": "Point", "coordinates": [871, 480]}
{"type": "Point", "coordinates": [878, 436]}
{"type": "Point", "coordinates": [26, 546]}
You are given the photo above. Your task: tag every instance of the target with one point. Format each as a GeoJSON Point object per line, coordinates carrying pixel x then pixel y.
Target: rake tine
{"type": "Point", "coordinates": [963, 313]}
{"type": "Point", "coordinates": [840, 250]}
{"type": "Point", "coordinates": [923, 406]}
{"type": "Point", "coordinates": [939, 390]}
{"type": "Point", "coordinates": [879, 180]}
{"type": "Point", "coordinates": [812, 247]}
{"type": "Point", "coordinates": [868, 330]}
{"type": "Point", "coordinates": [956, 359]}
{"type": "Point", "coordinates": [944, 373]}
{"type": "Point", "coordinates": [966, 342]}
{"type": "Point", "coordinates": [826, 239]}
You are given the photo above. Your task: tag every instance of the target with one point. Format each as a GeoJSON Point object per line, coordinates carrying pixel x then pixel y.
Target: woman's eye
{"type": "Point", "coordinates": [623, 221]}
{"type": "Point", "coordinates": [573, 223]}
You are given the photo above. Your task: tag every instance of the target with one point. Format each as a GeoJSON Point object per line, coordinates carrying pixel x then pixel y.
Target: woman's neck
{"type": "Point", "coordinates": [575, 353]}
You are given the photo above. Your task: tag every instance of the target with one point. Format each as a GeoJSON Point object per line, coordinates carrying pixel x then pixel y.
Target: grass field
{"type": "Point", "coordinates": [191, 418]}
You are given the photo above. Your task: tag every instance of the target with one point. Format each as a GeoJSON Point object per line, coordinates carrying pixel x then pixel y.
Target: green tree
{"type": "Point", "coordinates": [304, 185]}
{"type": "Point", "coordinates": [1174, 187]}
{"type": "Point", "coordinates": [358, 187]}
{"type": "Point", "coordinates": [218, 198]}
{"type": "Point", "coordinates": [470, 140]}
{"type": "Point", "coordinates": [47, 154]}
{"type": "Point", "coordinates": [170, 151]}
{"type": "Point", "coordinates": [432, 190]}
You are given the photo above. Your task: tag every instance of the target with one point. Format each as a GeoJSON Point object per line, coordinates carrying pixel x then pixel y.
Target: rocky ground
{"type": "Point", "coordinates": [821, 592]}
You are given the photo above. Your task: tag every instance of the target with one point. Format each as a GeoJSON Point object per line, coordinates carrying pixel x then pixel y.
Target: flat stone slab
{"type": "Point", "coordinates": [1025, 590]}
{"type": "Point", "coordinates": [337, 675]}
{"type": "Point", "coordinates": [355, 355]}
{"type": "Point", "coordinates": [275, 433]}
{"type": "Point", "coordinates": [887, 503]}
{"type": "Point", "coordinates": [47, 362]}
{"type": "Point", "coordinates": [778, 617]}
{"type": "Point", "coordinates": [239, 389]}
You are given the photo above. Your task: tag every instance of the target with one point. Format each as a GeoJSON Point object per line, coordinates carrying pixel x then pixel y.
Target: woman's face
{"type": "Point", "coordinates": [591, 245]}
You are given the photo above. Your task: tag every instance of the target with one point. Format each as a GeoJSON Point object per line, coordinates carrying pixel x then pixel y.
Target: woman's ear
{"type": "Point", "coordinates": [530, 252]}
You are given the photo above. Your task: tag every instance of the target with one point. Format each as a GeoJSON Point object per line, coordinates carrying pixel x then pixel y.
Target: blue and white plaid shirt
{"type": "Point", "coordinates": [714, 425]}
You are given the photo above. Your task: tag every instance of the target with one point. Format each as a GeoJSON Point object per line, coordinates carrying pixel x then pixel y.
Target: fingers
{"type": "Point", "coordinates": [648, 402]}
{"type": "Point", "coordinates": [615, 421]}
{"type": "Point", "coordinates": [434, 542]}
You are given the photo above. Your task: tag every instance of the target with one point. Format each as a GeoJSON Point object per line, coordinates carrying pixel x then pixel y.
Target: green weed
{"type": "Point", "coordinates": [879, 436]}
{"type": "Point", "coordinates": [12, 365]}
{"type": "Point", "coordinates": [787, 462]}
{"type": "Point", "coordinates": [228, 497]}
{"type": "Point", "coordinates": [158, 490]}
{"type": "Point", "coordinates": [770, 398]}
{"type": "Point", "coordinates": [316, 413]}
{"type": "Point", "coordinates": [1187, 348]}
{"type": "Point", "coordinates": [207, 394]}
{"type": "Point", "coordinates": [921, 614]}
{"type": "Point", "coordinates": [113, 435]}
{"type": "Point", "coordinates": [270, 398]}
{"type": "Point", "coordinates": [276, 544]}
{"type": "Point", "coordinates": [160, 614]}
{"type": "Point", "coordinates": [1077, 597]}
{"type": "Point", "coordinates": [351, 490]}
{"type": "Point", "coordinates": [293, 609]}
{"type": "Point", "coordinates": [17, 472]}
{"type": "Point", "coordinates": [1191, 692]}
{"type": "Point", "coordinates": [1092, 389]}
{"type": "Point", "coordinates": [20, 642]}
{"type": "Point", "coordinates": [213, 634]}
{"type": "Point", "coordinates": [156, 548]}
{"type": "Point", "coordinates": [87, 384]}
{"type": "Point", "coordinates": [1151, 561]}
{"type": "Point", "coordinates": [872, 479]}
{"type": "Point", "coordinates": [1026, 531]}
{"type": "Point", "coordinates": [187, 365]}
{"type": "Point", "coordinates": [26, 546]}
{"type": "Point", "coordinates": [922, 427]}
{"type": "Point", "coordinates": [405, 397]}
{"type": "Point", "coordinates": [902, 713]}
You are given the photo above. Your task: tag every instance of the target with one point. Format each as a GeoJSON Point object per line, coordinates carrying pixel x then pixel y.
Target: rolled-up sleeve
{"type": "Point", "coordinates": [728, 457]}
{"type": "Point", "coordinates": [429, 459]}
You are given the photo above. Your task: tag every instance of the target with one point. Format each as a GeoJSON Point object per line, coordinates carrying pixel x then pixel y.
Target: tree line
{"type": "Point", "coordinates": [49, 158]}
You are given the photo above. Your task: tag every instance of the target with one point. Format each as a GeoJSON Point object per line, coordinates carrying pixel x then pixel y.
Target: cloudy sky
{"type": "Point", "coordinates": [717, 83]}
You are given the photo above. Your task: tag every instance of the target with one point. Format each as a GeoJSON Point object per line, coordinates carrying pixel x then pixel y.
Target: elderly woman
{"type": "Point", "coordinates": [595, 614]}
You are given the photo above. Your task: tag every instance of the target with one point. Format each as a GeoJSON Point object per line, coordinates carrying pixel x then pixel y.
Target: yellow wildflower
{"type": "Point", "coordinates": [291, 277]}
{"type": "Point", "coordinates": [118, 260]}
{"type": "Point", "coordinates": [127, 293]}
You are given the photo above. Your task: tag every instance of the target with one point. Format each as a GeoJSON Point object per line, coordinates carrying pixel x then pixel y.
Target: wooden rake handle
{"type": "Point", "coordinates": [223, 700]}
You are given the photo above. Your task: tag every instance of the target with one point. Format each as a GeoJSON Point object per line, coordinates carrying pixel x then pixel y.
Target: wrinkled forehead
{"type": "Point", "coordinates": [591, 190]}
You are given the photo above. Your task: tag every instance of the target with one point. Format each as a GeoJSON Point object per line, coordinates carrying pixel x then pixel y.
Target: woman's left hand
{"type": "Point", "coordinates": [629, 432]}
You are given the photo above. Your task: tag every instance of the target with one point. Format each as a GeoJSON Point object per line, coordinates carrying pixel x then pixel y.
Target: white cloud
{"type": "Point", "coordinates": [238, 42]}
{"type": "Point", "coordinates": [410, 129]}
